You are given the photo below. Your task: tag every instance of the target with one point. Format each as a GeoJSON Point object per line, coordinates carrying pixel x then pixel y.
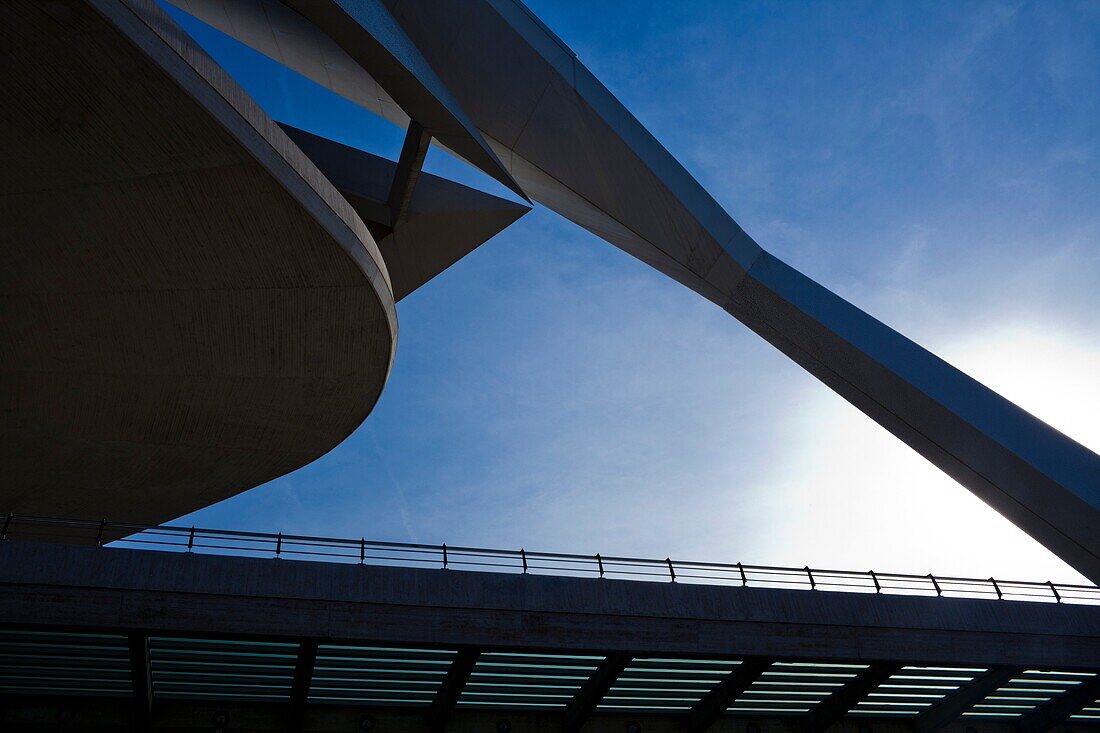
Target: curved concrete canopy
{"type": "Point", "coordinates": [189, 307]}
{"type": "Point", "coordinates": [574, 148]}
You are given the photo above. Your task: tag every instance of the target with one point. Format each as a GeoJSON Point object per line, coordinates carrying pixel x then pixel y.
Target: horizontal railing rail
{"type": "Point", "coordinates": [454, 557]}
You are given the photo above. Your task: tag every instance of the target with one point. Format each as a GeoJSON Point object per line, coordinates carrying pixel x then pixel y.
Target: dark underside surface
{"type": "Point", "coordinates": [107, 638]}
{"type": "Point", "coordinates": [189, 308]}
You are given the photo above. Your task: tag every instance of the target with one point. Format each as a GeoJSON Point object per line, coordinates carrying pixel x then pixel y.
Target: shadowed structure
{"type": "Point", "coordinates": [189, 307]}
{"type": "Point", "coordinates": [421, 649]}
{"type": "Point", "coordinates": [445, 221]}
{"type": "Point", "coordinates": [197, 300]}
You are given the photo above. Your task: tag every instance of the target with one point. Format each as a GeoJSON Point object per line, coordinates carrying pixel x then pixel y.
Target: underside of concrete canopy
{"type": "Point", "coordinates": [189, 307]}
{"type": "Point", "coordinates": [195, 299]}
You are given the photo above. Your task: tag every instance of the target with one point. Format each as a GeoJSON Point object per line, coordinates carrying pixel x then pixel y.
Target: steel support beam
{"type": "Point", "coordinates": [582, 705]}
{"type": "Point", "coordinates": [408, 170]}
{"type": "Point", "coordinates": [1058, 710]}
{"type": "Point", "coordinates": [946, 711]}
{"type": "Point", "coordinates": [449, 691]}
{"type": "Point", "coordinates": [715, 703]}
{"type": "Point", "coordinates": [142, 680]}
{"type": "Point", "coordinates": [299, 689]}
{"type": "Point", "coordinates": [837, 705]}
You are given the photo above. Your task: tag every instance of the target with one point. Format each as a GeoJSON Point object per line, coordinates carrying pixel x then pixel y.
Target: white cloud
{"type": "Point", "coordinates": [859, 497]}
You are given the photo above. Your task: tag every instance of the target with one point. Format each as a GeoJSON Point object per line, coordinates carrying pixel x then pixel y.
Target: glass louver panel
{"type": "Point", "coordinates": [527, 681]}
{"type": "Point", "coordinates": [385, 676]}
{"type": "Point", "coordinates": [47, 663]}
{"type": "Point", "coordinates": [210, 669]}
{"type": "Point", "coordinates": [658, 685]}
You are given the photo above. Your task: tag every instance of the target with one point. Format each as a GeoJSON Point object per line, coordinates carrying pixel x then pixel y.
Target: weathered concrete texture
{"type": "Point", "coordinates": [156, 593]}
{"type": "Point", "coordinates": [188, 307]}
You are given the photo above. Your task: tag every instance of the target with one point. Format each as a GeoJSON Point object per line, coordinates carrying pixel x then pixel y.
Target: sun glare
{"type": "Point", "coordinates": [864, 498]}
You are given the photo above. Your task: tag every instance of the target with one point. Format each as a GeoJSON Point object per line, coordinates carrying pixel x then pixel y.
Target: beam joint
{"type": "Point", "coordinates": [584, 703]}
{"type": "Point", "coordinates": [446, 698]}
{"type": "Point", "coordinates": [409, 165]}
{"type": "Point", "coordinates": [141, 678]}
{"type": "Point", "coordinates": [946, 711]}
{"type": "Point", "coordinates": [299, 688]}
{"type": "Point", "coordinates": [715, 703]}
{"type": "Point", "coordinates": [837, 705]}
{"type": "Point", "coordinates": [1058, 710]}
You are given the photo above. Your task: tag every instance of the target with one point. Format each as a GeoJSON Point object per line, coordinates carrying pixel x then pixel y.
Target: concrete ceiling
{"type": "Point", "coordinates": [189, 307]}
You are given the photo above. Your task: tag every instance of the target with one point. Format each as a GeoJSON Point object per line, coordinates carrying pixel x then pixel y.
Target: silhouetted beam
{"type": "Point", "coordinates": [409, 164]}
{"type": "Point", "coordinates": [718, 700]}
{"type": "Point", "coordinates": [369, 34]}
{"type": "Point", "coordinates": [834, 707]}
{"type": "Point", "coordinates": [947, 710]}
{"type": "Point", "coordinates": [581, 706]}
{"type": "Point", "coordinates": [445, 221]}
{"type": "Point", "coordinates": [453, 684]}
{"type": "Point", "coordinates": [299, 689]}
{"type": "Point", "coordinates": [1058, 710]}
{"type": "Point", "coordinates": [142, 680]}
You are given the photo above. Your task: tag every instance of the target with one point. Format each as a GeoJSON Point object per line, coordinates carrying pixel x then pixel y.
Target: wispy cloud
{"type": "Point", "coordinates": [936, 165]}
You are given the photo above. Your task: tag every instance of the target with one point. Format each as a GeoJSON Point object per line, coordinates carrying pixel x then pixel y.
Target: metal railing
{"type": "Point", "coordinates": [450, 557]}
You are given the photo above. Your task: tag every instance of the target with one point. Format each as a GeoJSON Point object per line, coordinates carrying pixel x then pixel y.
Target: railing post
{"type": "Point", "coordinates": [278, 545]}
{"type": "Point", "coordinates": [1054, 590]}
{"type": "Point", "coordinates": [874, 579]}
{"type": "Point", "coordinates": [671, 572]}
{"type": "Point", "coordinates": [1000, 596]}
{"type": "Point", "coordinates": [99, 537]}
{"type": "Point", "coordinates": [744, 578]}
{"type": "Point", "coordinates": [362, 550]}
{"type": "Point", "coordinates": [444, 555]}
{"type": "Point", "coordinates": [191, 539]}
{"type": "Point", "coordinates": [936, 585]}
{"type": "Point", "coordinates": [7, 523]}
{"type": "Point", "coordinates": [810, 575]}
{"type": "Point", "coordinates": [523, 556]}
{"type": "Point", "coordinates": [599, 562]}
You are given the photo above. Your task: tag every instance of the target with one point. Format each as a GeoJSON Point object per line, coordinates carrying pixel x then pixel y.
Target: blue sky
{"type": "Point", "coordinates": [936, 164]}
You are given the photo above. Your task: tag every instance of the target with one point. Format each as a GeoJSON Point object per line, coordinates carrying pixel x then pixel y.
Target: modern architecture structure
{"type": "Point", "coordinates": [403, 637]}
{"type": "Point", "coordinates": [197, 299]}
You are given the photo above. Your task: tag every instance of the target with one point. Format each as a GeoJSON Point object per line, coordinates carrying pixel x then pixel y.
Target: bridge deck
{"type": "Point", "coordinates": [170, 640]}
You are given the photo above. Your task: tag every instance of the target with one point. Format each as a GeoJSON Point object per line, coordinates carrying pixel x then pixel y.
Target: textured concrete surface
{"type": "Point", "coordinates": [189, 308]}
